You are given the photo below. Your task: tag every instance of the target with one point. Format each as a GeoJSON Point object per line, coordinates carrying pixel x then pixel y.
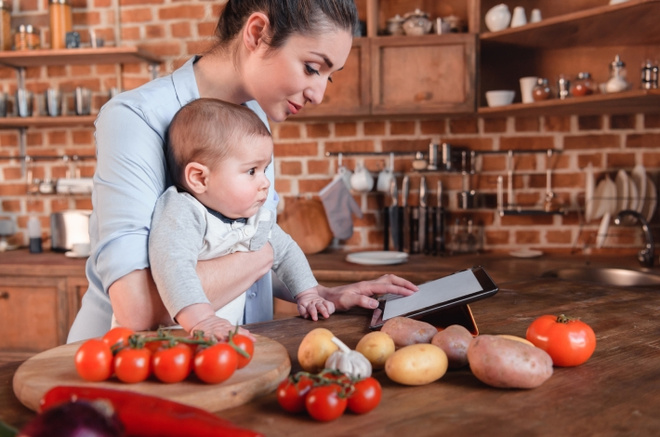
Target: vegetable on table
{"type": "Point", "coordinates": [315, 348]}
{"type": "Point", "coordinates": [347, 361]}
{"type": "Point", "coordinates": [147, 416]}
{"type": "Point", "coordinates": [504, 363]}
{"type": "Point", "coordinates": [405, 331]}
{"type": "Point", "coordinates": [416, 364]}
{"type": "Point", "coordinates": [569, 341]}
{"type": "Point", "coordinates": [74, 419]}
{"type": "Point", "coordinates": [376, 346]}
{"type": "Point", "coordinates": [454, 341]}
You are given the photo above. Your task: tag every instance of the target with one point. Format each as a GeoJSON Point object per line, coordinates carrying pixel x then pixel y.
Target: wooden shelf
{"type": "Point", "coordinates": [45, 121]}
{"type": "Point", "coordinates": [626, 102]}
{"type": "Point", "coordinates": [103, 55]}
{"type": "Point", "coordinates": [622, 24]}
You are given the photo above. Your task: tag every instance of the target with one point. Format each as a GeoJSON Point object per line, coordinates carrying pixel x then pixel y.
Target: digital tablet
{"type": "Point", "coordinates": [456, 289]}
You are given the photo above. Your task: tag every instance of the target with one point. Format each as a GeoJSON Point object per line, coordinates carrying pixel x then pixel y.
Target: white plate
{"type": "Point", "coordinates": [377, 258]}
{"type": "Point", "coordinates": [634, 195]}
{"type": "Point", "coordinates": [604, 198]}
{"type": "Point", "coordinates": [72, 254]}
{"type": "Point", "coordinates": [589, 194]}
{"type": "Point", "coordinates": [651, 199]}
{"type": "Point", "coordinates": [526, 253]}
{"type": "Point", "coordinates": [639, 176]}
{"type": "Point", "coordinates": [622, 190]}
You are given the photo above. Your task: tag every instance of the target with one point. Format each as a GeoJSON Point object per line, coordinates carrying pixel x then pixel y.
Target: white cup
{"type": "Point", "coordinates": [526, 86]}
{"type": "Point", "coordinates": [518, 18]}
{"type": "Point", "coordinates": [81, 249]}
{"type": "Point", "coordinates": [362, 180]}
{"type": "Point", "coordinates": [384, 180]}
{"type": "Point", "coordinates": [345, 175]}
{"type": "Point", "coordinates": [535, 15]}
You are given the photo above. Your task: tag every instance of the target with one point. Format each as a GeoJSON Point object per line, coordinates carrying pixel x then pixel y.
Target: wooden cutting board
{"type": "Point", "coordinates": [306, 222]}
{"type": "Point", "coordinates": [53, 367]}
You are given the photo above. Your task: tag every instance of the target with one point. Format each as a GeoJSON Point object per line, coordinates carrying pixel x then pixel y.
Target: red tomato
{"type": "Point", "coordinates": [118, 335]}
{"type": "Point", "coordinates": [291, 394]}
{"type": "Point", "coordinates": [244, 342]}
{"type": "Point", "coordinates": [569, 342]}
{"type": "Point", "coordinates": [172, 364]}
{"type": "Point", "coordinates": [325, 403]}
{"type": "Point", "coordinates": [94, 360]}
{"type": "Point", "coordinates": [216, 363]}
{"type": "Point", "coordinates": [133, 365]}
{"type": "Point", "coordinates": [366, 396]}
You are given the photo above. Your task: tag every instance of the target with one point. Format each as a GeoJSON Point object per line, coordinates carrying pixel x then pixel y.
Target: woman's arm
{"type": "Point", "coordinates": [360, 293]}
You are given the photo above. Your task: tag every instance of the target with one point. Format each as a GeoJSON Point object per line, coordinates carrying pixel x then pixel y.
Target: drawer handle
{"type": "Point", "coordinates": [4, 294]}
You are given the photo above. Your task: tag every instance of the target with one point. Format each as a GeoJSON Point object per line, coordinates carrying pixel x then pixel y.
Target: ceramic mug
{"type": "Point", "coordinates": [384, 180]}
{"type": "Point", "coordinates": [362, 180]}
{"type": "Point", "coordinates": [345, 175]}
{"type": "Point", "coordinates": [527, 84]}
{"type": "Point", "coordinates": [518, 18]}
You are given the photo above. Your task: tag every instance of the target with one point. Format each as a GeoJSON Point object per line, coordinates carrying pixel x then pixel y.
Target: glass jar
{"type": "Point", "coordinates": [61, 22]}
{"type": "Point", "coordinates": [541, 90]}
{"type": "Point", "coordinates": [583, 85]}
{"type": "Point", "coordinates": [617, 82]}
{"type": "Point", "coordinates": [5, 25]}
{"type": "Point", "coordinates": [26, 37]}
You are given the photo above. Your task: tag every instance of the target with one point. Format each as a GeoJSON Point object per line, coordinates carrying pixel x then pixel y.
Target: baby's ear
{"type": "Point", "coordinates": [196, 175]}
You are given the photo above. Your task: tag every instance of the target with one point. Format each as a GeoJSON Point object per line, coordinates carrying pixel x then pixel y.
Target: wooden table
{"type": "Point", "coordinates": [617, 392]}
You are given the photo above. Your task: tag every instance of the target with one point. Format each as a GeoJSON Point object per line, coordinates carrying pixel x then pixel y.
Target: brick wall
{"type": "Point", "coordinates": [175, 29]}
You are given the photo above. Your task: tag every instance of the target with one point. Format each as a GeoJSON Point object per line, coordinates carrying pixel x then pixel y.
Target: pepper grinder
{"type": "Point", "coordinates": [649, 75]}
{"type": "Point", "coordinates": [34, 233]}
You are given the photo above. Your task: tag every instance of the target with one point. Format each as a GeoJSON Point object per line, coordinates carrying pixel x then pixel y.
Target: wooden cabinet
{"type": "Point", "coordinates": [39, 299]}
{"type": "Point", "coordinates": [581, 35]}
{"type": "Point", "coordinates": [430, 74]}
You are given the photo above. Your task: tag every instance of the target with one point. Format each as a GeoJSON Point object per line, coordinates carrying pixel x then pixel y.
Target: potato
{"type": "Point", "coordinates": [454, 341]}
{"type": "Point", "coordinates": [376, 346]}
{"type": "Point", "coordinates": [516, 338]}
{"type": "Point", "coordinates": [405, 331]}
{"type": "Point", "coordinates": [416, 364]}
{"type": "Point", "coordinates": [505, 363]}
{"type": "Point", "coordinates": [315, 348]}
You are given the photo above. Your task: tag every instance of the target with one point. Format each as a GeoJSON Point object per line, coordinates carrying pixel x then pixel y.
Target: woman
{"type": "Point", "coordinates": [272, 56]}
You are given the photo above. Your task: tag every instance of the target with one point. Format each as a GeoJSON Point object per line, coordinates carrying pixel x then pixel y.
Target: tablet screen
{"type": "Point", "coordinates": [454, 286]}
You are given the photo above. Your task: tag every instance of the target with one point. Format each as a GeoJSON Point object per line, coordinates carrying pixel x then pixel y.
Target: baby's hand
{"type": "Point", "coordinates": [218, 327]}
{"type": "Point", "coordinates": [310, 305]}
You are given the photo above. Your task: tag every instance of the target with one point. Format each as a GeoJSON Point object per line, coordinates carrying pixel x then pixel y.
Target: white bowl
{"type": "Point", "coordinates": [500, 97]}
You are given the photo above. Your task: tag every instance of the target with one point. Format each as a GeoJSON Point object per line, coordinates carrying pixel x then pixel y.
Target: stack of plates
{"type": "Point", "coordinates": [635, 191]}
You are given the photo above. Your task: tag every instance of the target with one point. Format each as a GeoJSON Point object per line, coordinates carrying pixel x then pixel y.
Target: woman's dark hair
{"type": "Point", "coordinates": [288, 17]}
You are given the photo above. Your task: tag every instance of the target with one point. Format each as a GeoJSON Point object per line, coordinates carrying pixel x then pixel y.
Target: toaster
{"type": "Point", "coordinates": [68, 228]}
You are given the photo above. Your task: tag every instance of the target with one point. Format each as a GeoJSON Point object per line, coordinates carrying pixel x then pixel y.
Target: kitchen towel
{"type": "Point", "coordinates": [339, 207]}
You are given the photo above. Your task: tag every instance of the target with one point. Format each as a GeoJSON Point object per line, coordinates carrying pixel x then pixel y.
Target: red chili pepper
{"type": "Point", "coordinates": [144, 415]}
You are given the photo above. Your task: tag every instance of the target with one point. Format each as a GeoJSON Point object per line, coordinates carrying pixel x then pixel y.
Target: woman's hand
{"type": "Point", "coordinates": [360, 294]}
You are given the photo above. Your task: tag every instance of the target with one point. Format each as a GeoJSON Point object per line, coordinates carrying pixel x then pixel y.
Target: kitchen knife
{"type": "Point", "coordinates": [440, 222]}
{"type": "Point", "coordinates": [394, 216]}
{"type": "Point", "coordinates": [405, 235]}
{"type": "Point", "coordinates": [422, 228]}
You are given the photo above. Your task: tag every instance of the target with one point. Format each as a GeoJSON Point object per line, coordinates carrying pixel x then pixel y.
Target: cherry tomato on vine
{"type": "Point", "coordinates": [133, 365]}
{"type": "Point", "coordinates": [216, 363]}
{"type": "Point", "coordinates": [94, 360]}
{"type": "Point", "coordinates": [569, 342]}
{"type": "Point", "coordinates": [291, 394]}
{"type": "Point", "coordinates": [326, 402]}
{"type": "Point", "coordinates": [117, 335]}
{"type": "Point", "coordinates": [244, 342]}
{"type": "Point", "coordinates": [366, 396]}
{"type": "Point", "coordinates": [172, 364]}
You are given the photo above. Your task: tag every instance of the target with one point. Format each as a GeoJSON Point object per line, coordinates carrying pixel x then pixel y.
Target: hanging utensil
{"type": "Point", "coordinates": [422, 228]}
{"type": "Point", "coordinates": [439, 234]}
{"type": "Point", "coordinates": [394, 216]}
{"type": "Point", "coordinates": [405, 193]}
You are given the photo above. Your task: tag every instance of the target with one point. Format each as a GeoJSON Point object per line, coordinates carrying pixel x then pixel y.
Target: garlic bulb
{"type": "Point", "coordinates": [349, 362]}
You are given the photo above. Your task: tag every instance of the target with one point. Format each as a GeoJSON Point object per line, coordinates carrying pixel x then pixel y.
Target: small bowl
{"type": "Point", "coordinates": [499, 97]}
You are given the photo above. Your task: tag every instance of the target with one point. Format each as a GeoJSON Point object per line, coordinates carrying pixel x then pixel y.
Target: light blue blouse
{"type": "Point", "coordinates": [130, 176]}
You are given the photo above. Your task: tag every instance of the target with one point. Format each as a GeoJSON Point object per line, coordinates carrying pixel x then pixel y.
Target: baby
{"type": "Point", "coordinates": [217, 154]}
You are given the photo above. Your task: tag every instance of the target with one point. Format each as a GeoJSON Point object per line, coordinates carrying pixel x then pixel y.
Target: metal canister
{"type": "Point", "coordinates": [649, 75]}
{"type": "Point", "coordinates": [5, 25]}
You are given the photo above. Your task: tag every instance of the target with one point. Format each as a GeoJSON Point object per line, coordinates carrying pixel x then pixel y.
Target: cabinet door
{"type": "Point", "coordinates": [431, 74]}
{"type": "Point", "coordinates": [33, 313]}
{"type": "Point", "coordinates": [77, 287]}
{"type": "Point", "coordinates": [348, 94]}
